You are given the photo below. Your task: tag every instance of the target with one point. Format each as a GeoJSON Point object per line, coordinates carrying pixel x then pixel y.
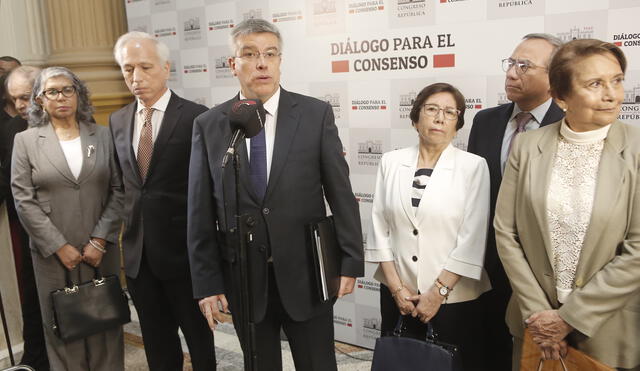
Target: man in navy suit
{"type": "Point", "coordinates": [286, 172]}
{"type": "Point", "coordinates": [527, 87]}
{"type": "Point", "coordinates": [152, 137]}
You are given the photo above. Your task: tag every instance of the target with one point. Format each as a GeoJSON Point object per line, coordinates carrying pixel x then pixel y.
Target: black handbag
{"type": "Point", "coordinates": [90, 307]}
{"type": "Point", "coordinates": [398, 352]}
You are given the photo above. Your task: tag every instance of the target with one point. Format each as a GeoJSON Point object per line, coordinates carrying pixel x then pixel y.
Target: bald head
{"type": "Point", "coordinates": [19, 85]}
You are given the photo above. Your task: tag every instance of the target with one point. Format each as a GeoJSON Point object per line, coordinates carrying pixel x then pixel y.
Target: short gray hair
{"type": "Point", "coordinates": [38, 116]}
{"type": "Point", "coordinates": [553, 40]}
{"type": "Point", "coordinates": [28, 72]}
{"type": "Point", "coordinates": [162, 50]}
{"type": "Point", "coordinates": [253, 25]}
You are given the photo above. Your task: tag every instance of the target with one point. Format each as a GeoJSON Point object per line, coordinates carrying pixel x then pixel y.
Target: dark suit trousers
{"type": "Point", "coordinates": [163, 306]}
{"type": "Point", "coordinates": [457, 324]}
{"type": "Point", "coordinates": [311, 341]}
{"type": "Point", "coordinates": [498, 352]}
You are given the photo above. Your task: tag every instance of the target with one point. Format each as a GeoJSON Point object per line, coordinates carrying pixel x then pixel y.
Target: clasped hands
{"type": "Point", "coordinates": [423, 306]}
{"type": "Point", "coordinates": [549, 331]}
{"type": "Point", "coordinates": [71, 257]}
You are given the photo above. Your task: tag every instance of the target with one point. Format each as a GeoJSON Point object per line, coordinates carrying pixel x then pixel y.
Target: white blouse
{"type": "Point", "coordinates": [570, 199]}
{"type": "Point", "coordinates": [73, 153]}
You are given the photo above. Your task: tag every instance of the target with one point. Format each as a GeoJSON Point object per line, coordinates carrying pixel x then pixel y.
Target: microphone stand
{"type": "Point", "coordinates": [241, 235]}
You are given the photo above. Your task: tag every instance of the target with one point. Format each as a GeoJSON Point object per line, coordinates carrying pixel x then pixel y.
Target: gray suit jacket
{"type": "Point", "coordinates": [605, 303]}
{"type": "Point", "coordinates": [56, 208]}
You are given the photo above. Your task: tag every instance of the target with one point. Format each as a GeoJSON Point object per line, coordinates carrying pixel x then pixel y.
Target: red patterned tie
{"type": "Point", "coordinates": [145, 146]}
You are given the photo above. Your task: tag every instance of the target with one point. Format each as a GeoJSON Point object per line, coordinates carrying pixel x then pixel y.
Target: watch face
{"type": "Point", "coordinates": [444, 291]}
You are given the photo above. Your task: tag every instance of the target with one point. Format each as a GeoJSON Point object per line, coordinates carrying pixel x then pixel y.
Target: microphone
{"type": "Point", "coordinates": [246, 119]}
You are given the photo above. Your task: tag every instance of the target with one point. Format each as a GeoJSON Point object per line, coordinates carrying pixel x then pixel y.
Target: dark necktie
{"type": "Point", "coordinates": [522, 119]}
{"type": "Point", "coordinates": [258, 163]}
{"type": "Point", "coordinates": [145, 145]}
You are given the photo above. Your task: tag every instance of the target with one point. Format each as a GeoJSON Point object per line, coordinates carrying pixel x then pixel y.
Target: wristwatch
{"type": "Point", "coordinates": [443, 289]}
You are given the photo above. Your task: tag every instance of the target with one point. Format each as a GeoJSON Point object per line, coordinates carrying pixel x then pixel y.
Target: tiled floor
{"type": "Point", "coordinates": [229, 355]}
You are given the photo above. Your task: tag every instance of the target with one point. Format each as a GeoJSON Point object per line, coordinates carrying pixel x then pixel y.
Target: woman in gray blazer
{"type": "Point", "coordinates": [68, 196]}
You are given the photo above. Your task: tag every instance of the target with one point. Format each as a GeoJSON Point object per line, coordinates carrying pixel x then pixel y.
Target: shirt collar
{"type": "Point", "coordinates": [538, 113]}
{"type": "Point", "coordinates": [271, 105]}
{"type": "Point", "coordinates": [160, 105]}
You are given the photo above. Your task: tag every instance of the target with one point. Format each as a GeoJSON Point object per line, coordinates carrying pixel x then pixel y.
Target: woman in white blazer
{"type": "Point", "coordinates": [429, 226]}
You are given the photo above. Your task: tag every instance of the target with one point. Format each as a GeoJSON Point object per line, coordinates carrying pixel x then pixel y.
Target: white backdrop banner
{"type": "Point", "coordinates": [369, 59]}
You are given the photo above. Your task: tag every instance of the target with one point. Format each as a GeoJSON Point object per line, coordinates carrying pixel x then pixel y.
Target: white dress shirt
{"type": "Point", "coordinates": [538, 114]}
{"type": "Point", "coordinates": [271, 106]}
{"type": "Point", "coordinates": [159, 108]}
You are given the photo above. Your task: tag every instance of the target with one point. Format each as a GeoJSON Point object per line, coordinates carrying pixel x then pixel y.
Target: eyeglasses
{"type": "Point", "coordinates": [67, 91]}
{"type": "Point", "coordinates": [253, 55]}
{"type": "Point", "coordinates": [522, 65]}
{"type": "Point", "coordinates": [432, 110]}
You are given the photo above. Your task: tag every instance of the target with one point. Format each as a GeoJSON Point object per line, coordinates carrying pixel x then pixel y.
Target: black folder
{"type": "Point", "coordinates": [326, 258]}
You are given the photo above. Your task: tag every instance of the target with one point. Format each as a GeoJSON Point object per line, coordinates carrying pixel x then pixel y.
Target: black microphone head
{"type": "Point", "coordinates": [247, 115]}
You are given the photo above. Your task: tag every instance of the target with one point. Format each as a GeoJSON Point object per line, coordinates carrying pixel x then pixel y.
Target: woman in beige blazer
{"type": "Point", "coordinates": [429, 226]}
{"type": "Point", "coordinates": [568, 216]}
{"type": "Point", "coordinates": [68, 197]}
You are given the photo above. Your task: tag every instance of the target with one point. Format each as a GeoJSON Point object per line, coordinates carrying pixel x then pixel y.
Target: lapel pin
{"type": "Point", "coordinates": [90, 150]}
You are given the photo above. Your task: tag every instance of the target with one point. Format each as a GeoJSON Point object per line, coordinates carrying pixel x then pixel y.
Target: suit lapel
{"type": "Point", "coordinates": [287, 124]}
{"type": "Point", "coordinates": [538, 182]}
{"type": "Point", "coordinates": [496, 137]}
{"type": "Point", "coordinates": [554, 114]}
{"type": "Point", "coordinates": [169, 123]}
{"type": "Point", "coordinates": [89, 149]}
{"type": "Point", "coordinates": [50, 146]}
{"type": "Point", "coordinates": [609, 184]}
{"type": "Point", "coordinates": [406, 174]}
{"type": "Point", "coordinates": [129, 119]}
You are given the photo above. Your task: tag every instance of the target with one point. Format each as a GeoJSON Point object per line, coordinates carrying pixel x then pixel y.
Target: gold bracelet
{"type": "Point", "coordinates": [393, 295]}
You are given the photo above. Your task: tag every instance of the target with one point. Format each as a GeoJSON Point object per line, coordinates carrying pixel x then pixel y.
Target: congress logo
{"type": "Point", "coordinates": [405, 104]}
{"type": "Point", "coordinates": [369, 154]}
{"type": "Point", "coordinates": [334, 101]}
{"type": "Point", "coordinates": [324, 7]}
{"type": "Point", "coordinates": [575, 33]}
{"type": "Point", "coordinates": [411, 8]}
{"type": "Point", "coordinates": [630, 110]}
{"type": "Point", "coordinates": [192, 29]}
{"type": "Point", "coordinates": [251, 14]}
{"type": "Point", "coordinates": [502, 98]}
{"type": "Point", "coordinates": [222, 67]}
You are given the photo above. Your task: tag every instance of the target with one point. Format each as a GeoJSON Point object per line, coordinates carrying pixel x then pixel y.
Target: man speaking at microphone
{"type": "Point", "coordinates": [286, 171]}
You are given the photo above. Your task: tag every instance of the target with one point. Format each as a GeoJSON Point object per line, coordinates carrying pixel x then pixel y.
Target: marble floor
{"type": "Point", "coordinates": [229, 354]}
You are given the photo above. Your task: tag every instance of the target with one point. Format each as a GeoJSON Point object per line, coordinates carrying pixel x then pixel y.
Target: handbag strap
{"type": "Point", "coordinates": [564, 367]}
{"type": "Point", "coordinates": [401, 328]}
{"type": "Point", "coordinates": [69, 284]}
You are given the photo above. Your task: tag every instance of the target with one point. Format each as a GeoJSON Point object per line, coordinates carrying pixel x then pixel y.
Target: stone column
{"type": "Point", "coordinates": [82, 35]}
{"type": "Point", "coordinates": [23, 26]}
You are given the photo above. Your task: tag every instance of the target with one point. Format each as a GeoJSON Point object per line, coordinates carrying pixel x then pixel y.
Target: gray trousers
{"type": "Point", "coordinates": [99, 352]}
